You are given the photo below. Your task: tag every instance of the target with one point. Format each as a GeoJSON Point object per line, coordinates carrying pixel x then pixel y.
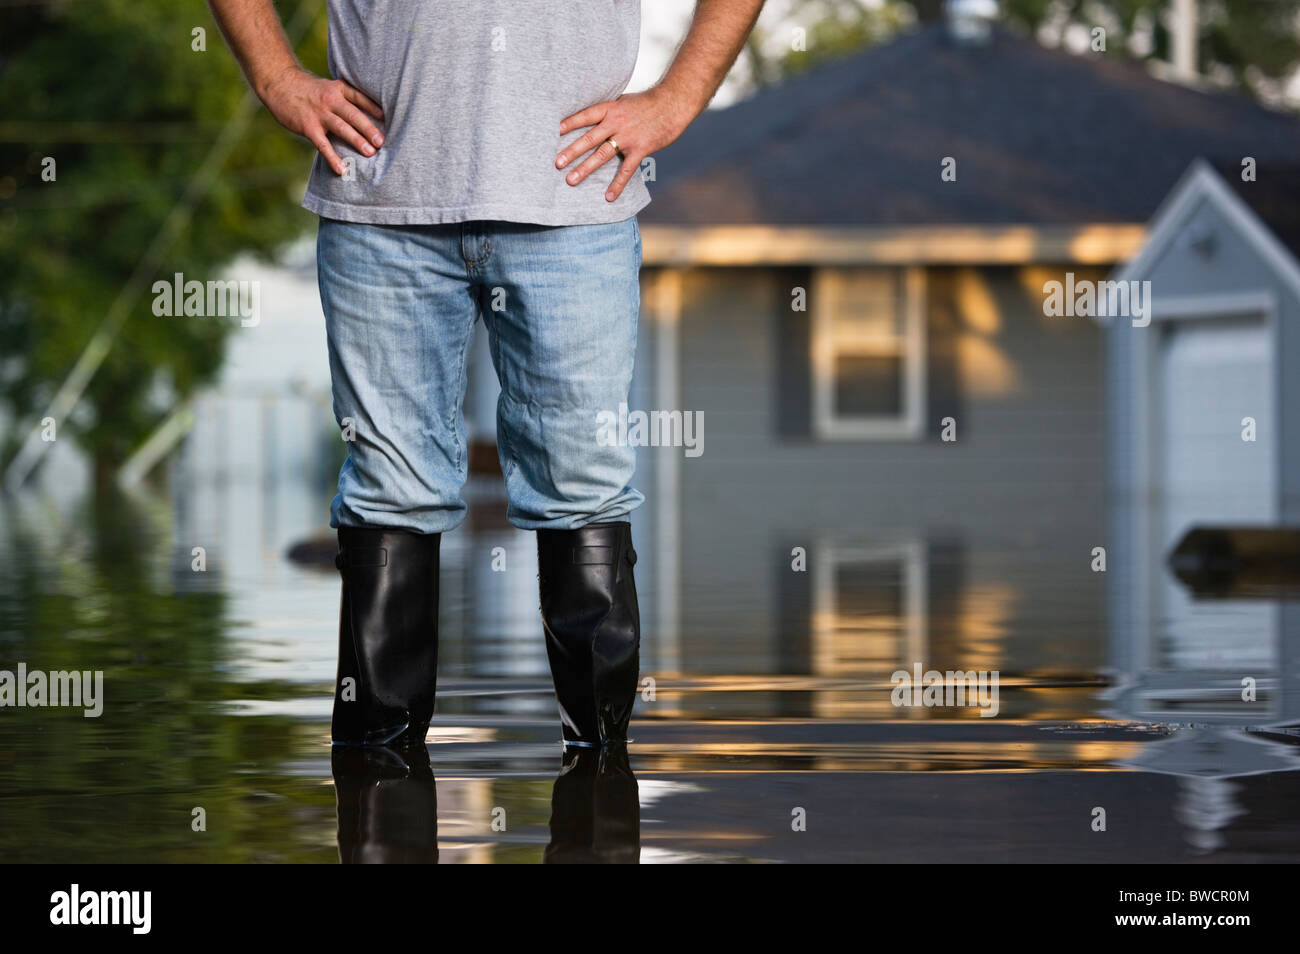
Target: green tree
{"type": "Point", "coordinates": [1249, 44]}
{"type": "Point", "coordinates": [833, 28]}
{"type": "Point", "coordinates": [119, 97]}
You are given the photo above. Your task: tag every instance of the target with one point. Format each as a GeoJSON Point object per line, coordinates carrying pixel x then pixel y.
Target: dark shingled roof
{"type": "Point", "coordinates": [1274, 196]}
{"type": "Point", "coordinates": [1040, 137]}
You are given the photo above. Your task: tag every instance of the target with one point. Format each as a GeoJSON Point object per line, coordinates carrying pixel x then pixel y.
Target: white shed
{"type": "Point", "coordinates": [1203, 422]}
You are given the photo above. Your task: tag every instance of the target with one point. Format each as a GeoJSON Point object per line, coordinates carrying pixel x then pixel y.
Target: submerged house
{"type": "Point", "coordinates": [903, 455]}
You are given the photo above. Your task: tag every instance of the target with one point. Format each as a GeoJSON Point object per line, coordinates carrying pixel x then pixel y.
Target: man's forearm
{"type": "Point", "coordinates": [306, 104]}
{"type": "Point", "coordinates": [255, 35]}
{"type": "Point", "coordinates": [717, 34]}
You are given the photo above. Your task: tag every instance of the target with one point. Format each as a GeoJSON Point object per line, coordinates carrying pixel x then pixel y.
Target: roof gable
{"type": "Point", "coordinates": [1202, 183]}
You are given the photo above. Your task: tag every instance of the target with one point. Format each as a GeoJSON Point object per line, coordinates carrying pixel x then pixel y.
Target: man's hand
{"type": "Point", "coordinates": [644, 122]}
{"type": "Point", "coordinates": [302, 102]}
{"type": "Point", "coordinates": [641, 124]}
{"type": "Point", "coordinates": [313, 107]}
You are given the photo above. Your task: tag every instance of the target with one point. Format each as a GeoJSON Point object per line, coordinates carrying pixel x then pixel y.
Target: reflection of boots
{"type": "Point", "coordinates": [593, 628]}
{"type": "Point", "coordinates": [387, 805]}
{"type": "Point", "coordinates": [595, 812]}
{"type": "Point", "coordinates": [388, 636]}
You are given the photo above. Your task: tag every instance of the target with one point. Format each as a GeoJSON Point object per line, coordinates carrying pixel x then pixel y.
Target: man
{"type": "Point", "coordinates": [476, 157]}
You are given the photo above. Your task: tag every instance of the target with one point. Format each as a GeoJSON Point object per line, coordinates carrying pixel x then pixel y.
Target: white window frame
{"type": "Point", "coordinates": [829, 425]}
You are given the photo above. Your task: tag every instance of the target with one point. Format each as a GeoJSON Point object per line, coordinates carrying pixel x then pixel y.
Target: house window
{"type": "Point", "coordinates": [868, 353]}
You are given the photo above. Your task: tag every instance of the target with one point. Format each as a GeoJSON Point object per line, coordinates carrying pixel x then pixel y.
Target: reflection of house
{"type": "Point", "coordinates": [824, 425]}
{"type": "Point", "coordinates": [1204, 414]}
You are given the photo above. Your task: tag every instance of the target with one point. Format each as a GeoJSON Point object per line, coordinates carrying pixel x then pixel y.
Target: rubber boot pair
{"type": "Point", "coordinates": [388, 633]}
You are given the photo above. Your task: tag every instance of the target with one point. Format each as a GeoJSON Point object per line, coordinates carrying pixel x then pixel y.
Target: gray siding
{"type": "Point", "coordinates": [1007, 514]}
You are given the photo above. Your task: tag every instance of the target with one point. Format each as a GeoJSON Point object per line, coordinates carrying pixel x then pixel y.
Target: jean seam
{"type": "Point", "coordinates": [458, 400]}
{"type": "Point", "coordinates": [503, 433]}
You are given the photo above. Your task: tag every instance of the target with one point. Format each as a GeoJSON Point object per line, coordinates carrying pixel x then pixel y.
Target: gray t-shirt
{"type": "Point", "coordinates": [473, 92]}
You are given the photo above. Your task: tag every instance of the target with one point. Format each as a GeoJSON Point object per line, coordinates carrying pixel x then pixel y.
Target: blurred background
{"type": "Point", "coordinates": [907, 458]}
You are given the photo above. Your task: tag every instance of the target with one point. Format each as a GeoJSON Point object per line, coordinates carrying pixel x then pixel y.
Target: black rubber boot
{"type": "Point", "coordinates": [388, 636]}
{"type": "Point", "coordinates": [593, 628]}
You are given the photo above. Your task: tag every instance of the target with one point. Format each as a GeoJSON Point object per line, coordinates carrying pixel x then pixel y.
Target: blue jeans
{"type": "Point", "coordinates": [560, 307]}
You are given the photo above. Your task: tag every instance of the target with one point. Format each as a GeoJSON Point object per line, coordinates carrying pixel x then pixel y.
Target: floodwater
{"type": "Point", "coordinates": [213, 742]}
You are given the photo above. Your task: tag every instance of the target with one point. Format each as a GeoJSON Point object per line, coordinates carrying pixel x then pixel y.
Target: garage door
{"type": "Point", "coordinates": [1212, 373]}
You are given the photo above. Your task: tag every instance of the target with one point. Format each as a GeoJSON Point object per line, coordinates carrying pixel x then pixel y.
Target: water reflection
{"type": "Point", "coordinates": [387, 805]}
{"type": "Point", "coordinates": [217, 686]}
{"type": "Point", "coordinates": [595, 812]}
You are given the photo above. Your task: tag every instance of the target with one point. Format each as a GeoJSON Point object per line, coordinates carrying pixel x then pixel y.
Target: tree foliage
{"type": "Point", "coordinates": [116, 94]}
{"type": "Point", "coordinates": [1249, 44]}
